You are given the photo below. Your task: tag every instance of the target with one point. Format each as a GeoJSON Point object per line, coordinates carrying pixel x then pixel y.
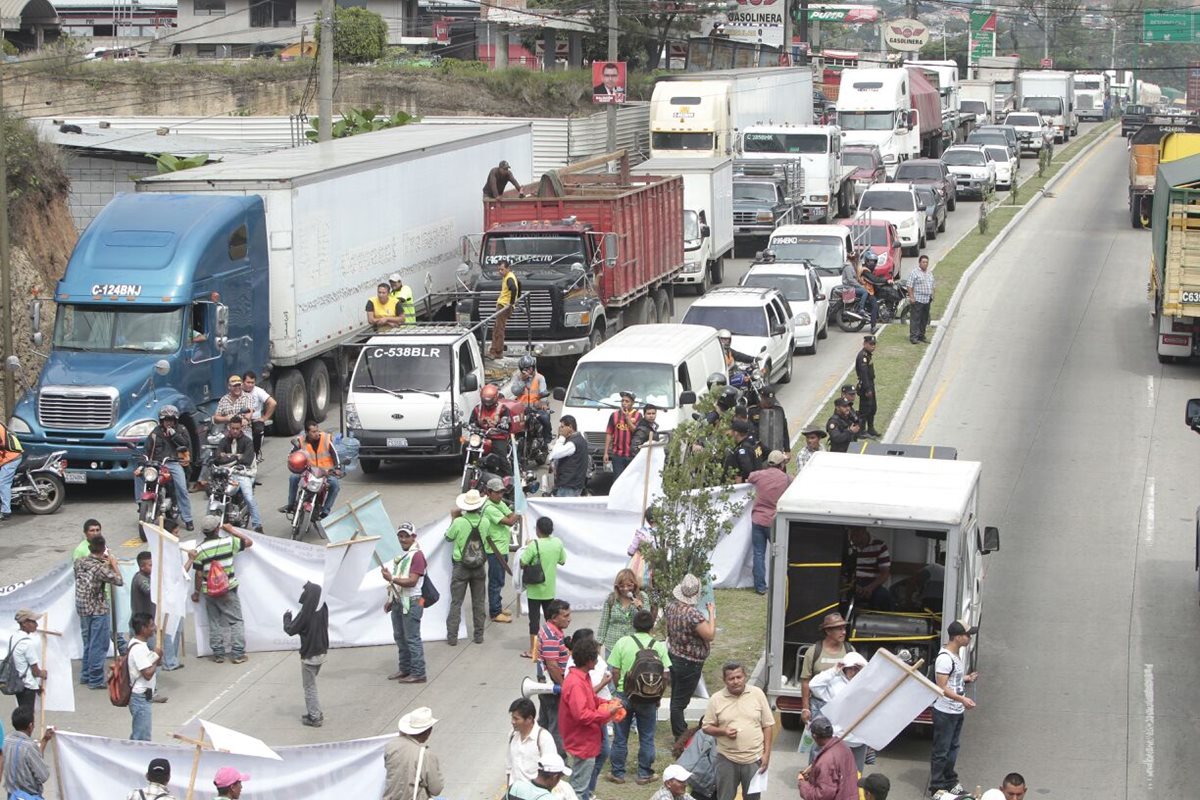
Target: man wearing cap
{"type": "Point", "coordinates": [875, 786]}
{"type": "Point", "coordinates": [234, 403]}
{"type": "Point", "coordinates": [618, 436]}
{"type": "Point", "coordinates": [675, 785]}
{"type": "Point", "coordinates": [742, 458]}
{"type": "Point", "coordinates": [812, 443]}
{"type": "Point", "coordinates": [823, 655]}
{"type": "Point", "coordinates": [740, 719]}
{"type": "Point", "coordinates": [403, 295]}
{"type": "Point", "coordinates": [498, 179]}
{"type": "Point", "coordinates": [833, 774]}
{"type": "Point", "coordinates": [552, 658]}
{"type": "Point", "coordinates": [689, 641]}
{"type": "Point", "coordinates": [498, 520]}
{"type": "Point", "coordinates": [551, 770]}
{"type": "Point", "coordinates": [466, 532]}
{"type": "Point", "coordinates": [827, 685]}
{"type": "Point", "coordinates": [510, 293]}
{"type": "Point", "coordinates": [841, 428]}
{"type": "Point", "coordinates": [865, 370]}
{"type": "Point", "coordinates": [406, 606]}
{"type": "Point", "coordinates": [24, 649]}
{"type": "Point", "coordinates": [224, 611]}
{"type": "Point", "coordinates": [851, 395]}
{"type": "Point", "coordinates": [412, 770]}
{"type": "Point", "coordinates": [949, 709]}
{"type": "Point", "coordinates": [229, 782]}
{"type": "Point", "coordinates": [93, 574]}
{"type": "Point", "coordinates": [158, 775]}
{"type": "Point", "coordinates": [769, 484]}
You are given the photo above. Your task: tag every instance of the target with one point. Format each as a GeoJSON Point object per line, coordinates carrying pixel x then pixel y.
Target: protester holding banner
{"type": "Point", "coordinates": [92, 575]}
{"type": "Point", "coordinates": [25, 767]}
{"type": "Point", "coordinates": [406, 606]}
{"type": "Point", "coordinates": [143, 675]}
{"type": "Point", "coordinates": [312, 626]}
{"type": "Point", "coordinates": [141, 601]}
{"type": "Point", "coordinates": [215, 579]}
{"type": "Point", "coordinates": [24, 651]}
{"type": "Point", "coordinates": [828, 684]}
{"type": "Point", "coordinates": [413, 770]}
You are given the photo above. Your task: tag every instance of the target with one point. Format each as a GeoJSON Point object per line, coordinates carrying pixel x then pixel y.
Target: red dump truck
{"type": "Point", "coordinates": [594, 253]}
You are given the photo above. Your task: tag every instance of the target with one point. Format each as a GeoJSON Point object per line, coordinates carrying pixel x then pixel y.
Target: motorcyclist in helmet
{"type": "Point", "coordinates": [850, 279]}
{"type": "Point", "coordinates": [493, 418]}
{"type": "Point", "coordinates": [731, 356]}
{"type": "Point", "coordinates": [718, 379]}
{"type": "Point", "coordinates": [529, 386]}
{"type": "Point", "coordinates": [872, 282]}
{"type": "Point", "coordinates": [169, 440]}
{"type": "Point", "coordinates": [726, 401]}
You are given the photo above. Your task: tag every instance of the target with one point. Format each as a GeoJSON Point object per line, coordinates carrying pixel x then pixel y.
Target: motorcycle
{"type": "Point", "coordinates": [38, 483]}
{"type": "Point", "coordinates": [843, 309]}
{"type": "Point", "coordinates": [158, 496]}
{"type": "Point", "coordinates": [225, 498]}
{"type": "Point", "coordinates": [533, 443]}
{"type": "Point", "coordinates": [481, 463]}
{"type": "Point", "coordinates": [892, 302]}
{"type": "Point", "coordinates": [310, 497]}
{"type": "Point", "coordinates": [751, 379]}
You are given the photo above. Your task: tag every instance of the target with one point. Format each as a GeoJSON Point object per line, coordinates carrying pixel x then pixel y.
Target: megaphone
{"type": "Point", "coordinates": [530, 687]}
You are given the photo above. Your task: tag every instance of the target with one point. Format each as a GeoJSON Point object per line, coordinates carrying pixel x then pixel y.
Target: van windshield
{"type": "Point", "coordinates": [885, 200]}
{"type": "Point", "coordinates": [740, 320]}
{"type": "Point", "coordinates": [598, 384]}
{"type": "Point", "coordinates": [104, 328]}
{"type": "Point", "coordinates": [823, 251]}
{"type": "Point", "coordinates": [866, 120]}
{"type": "Point", "coordinates": [1044, 105]}
{"type": "Point", "coordinates": [403, 367]}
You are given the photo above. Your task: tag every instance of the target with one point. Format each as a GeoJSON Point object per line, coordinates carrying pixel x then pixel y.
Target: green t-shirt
{"type": "Point", "coordinates": [492, 528]}
{"type": "Point", "coordinates": [552, 553]}
{"type": "Point", "coordinates": [460, 529]}
{"type": "Point", "coordinates": [625, 653]}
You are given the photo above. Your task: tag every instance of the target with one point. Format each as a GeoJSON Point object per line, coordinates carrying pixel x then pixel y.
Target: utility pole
{"type": "Point", "coordinates": [325, 77]}
{"type": "Point", "coordinates": [611, 111]}
{"type": "Point", "coordinates": [1045, 30]}
{"type": "Point", "coordinates": [10, 395]}
{"type": "Point", "coordinates": [804, 34]}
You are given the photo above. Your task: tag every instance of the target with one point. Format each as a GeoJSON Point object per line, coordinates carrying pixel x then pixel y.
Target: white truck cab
{"type": "Point", "coordinates": [412, 391]}
{"type": "Point", "coordinates": [828, 190]}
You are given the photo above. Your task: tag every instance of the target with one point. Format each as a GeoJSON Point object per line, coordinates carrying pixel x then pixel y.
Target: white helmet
{"type": "Point", "coordinates": [724, 334]}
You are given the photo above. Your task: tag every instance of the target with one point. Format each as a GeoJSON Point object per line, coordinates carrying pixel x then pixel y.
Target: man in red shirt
{"type": "Point", "coordinates": [833, 775]}
{"type": "Point", "coordinates": [769, 484]}
{"type": "Point", "coordinates": [580, 716]}
{"type": "Point", "coordinates": [618, 437]}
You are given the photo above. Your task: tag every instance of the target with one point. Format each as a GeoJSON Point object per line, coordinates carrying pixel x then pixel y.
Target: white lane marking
{"type": "Point", "coordinates": [1148, 732]}
{"type": "Point", "coordinates": [1149, 515]}
{"type": "Point", "coordinates": [221, 694]}
{"type": "Point", "coordinates": [1149, 391]}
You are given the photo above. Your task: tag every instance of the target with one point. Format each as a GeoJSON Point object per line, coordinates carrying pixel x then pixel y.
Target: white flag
{"type": "Point", "coordinates": [888, 693]}
{"type": "Point", "coordinates": [173, 589]}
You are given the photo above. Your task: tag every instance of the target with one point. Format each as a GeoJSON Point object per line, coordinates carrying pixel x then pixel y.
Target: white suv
{"type": "Point", "coordinates": [759, 319]}
{"type": "Point", "coordinates": [898, 204]}
{"type": "Point", "coordinates": [801, 289]}
{"type": "Point", "coordinates": [973, 168]}
{"type": "Point", "coordinates": [1031, 130]}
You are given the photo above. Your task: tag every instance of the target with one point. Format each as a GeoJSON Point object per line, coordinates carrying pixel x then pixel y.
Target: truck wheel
{"type": "Point", "coordinates": [662, 305]}
{"type": "Point", "coordinates": [369, 465]}
{"type": "Point", "coordinates": [293, 402]}
{"type": "Point", "coordinates": [718, 275]}
{"type": "Point", "coordinates": [316, 379]}
{"type": "Point", "coordinates": [1135, 213]}
{"type": "Point", "coordinates": [706, 281]}
{"type": "Point", "coordinates": [595, 340]}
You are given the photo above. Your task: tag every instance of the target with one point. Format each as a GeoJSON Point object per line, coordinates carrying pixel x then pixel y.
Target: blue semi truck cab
{"type": "Point", "coordinates": [164, 297]}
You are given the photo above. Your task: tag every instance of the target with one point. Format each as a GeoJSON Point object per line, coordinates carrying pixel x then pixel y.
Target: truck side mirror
{"type": "Point", "coordinates": [687, 398]}
{"type": "Point", "coordinates": [559, 393]}
{"type": "Point", "coordinates": [1193, 414]}
{"type": "Point", "coordinates": [35, 314]}
{"type": "Point", "coordinates": [990, 540]}
{"type": "Point", "coordinates": [470, 383]}
{"type": "Point", "coordinates": [611, 246]}
{"type": "Point", "coordinates": [222, 331]}
{"type": "Point", "coordinates": [705, 231]}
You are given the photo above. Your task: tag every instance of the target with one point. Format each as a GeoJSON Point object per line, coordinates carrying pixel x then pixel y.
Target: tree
{"type": "Point", "coordinates": [360, 36]}
{"type": "Point", "coordinates": [170, 163]}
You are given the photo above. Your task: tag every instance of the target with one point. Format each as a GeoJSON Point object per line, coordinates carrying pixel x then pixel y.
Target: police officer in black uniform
{"type": "Point", "coordinates": [865, 371]}
{"type": "Point", "coordinates": [743, 458]}
{"type": "Point", "coordinates": [842, 431]}
{"type": "Point", "coordinates": [850, 395]}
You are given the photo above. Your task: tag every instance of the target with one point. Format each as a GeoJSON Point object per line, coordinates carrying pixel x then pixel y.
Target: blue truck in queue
{"type": "Point", "coordinates": [260, 265]}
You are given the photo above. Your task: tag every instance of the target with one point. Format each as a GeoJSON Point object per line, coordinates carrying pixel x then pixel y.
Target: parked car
{"type": "Point", "coordinates": [1006, 165]}
{"type": "Point", "coordinates": [881, 237]}
{"type": "Point", "coordinates": [989, 138]}
{"type": "Point", "coordinates": [974, 170]}
{"type": "Point", "coordinates": [1032, 130]}
{"type": "Point", "coordinates": [935, 210]}
{"type": "Point", "coordinates": [867, 161]}
{"type": "Point", "coordinates": [801, 288]}
{"type": "Point", "coordinates": [932, 171]}
{"type": "Point", "coordinates": [897, 203]}
{"type": "Point", "coordinates": [759, 319]}
{"type": "Point", "coordinates": [1014, 141]}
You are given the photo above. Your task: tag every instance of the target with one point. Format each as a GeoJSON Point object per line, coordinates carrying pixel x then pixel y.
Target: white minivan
{"type": "Point", "coordinates": [667, 365]}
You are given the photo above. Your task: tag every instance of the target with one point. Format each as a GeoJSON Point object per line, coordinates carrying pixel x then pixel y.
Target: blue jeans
{"type": "Point", "coordinates": [760, 536]}
{"type": "Point", "coordinates": [246, 484]}
{"type": "Point", "coordinates": [406, 631]}
{"type": "Point", "coordinates": [139, 709]}
{"type": "Point", "coordinates": [179, 479]}
{"type": "Point", "coordinates": [645, 715]}
{"type": "Point", "coordinates": [946, 730]}
{"type": "Point", "coordinates": [495, 583]}
{"type": "Point", "coordinates": [619, 463]}
{"type": "Point", "coordinates": [563, 491]}
{"type": "Point", "coordinates": [7, 473]}
{"type": "Point", "coordinates": [331, 492]}
{"type": "Point", "coordinates": [605, 747]}
{"type": "Point", "coordinates": [170, 651]}
{"type": "Point", "coordinates": [98, 631]}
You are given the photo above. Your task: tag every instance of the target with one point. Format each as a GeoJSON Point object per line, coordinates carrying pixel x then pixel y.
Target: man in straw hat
{"type": "Point", "coordinates": [470, 565]}
{"type": "Point", "coordinates": [823, 655]}
{"type": "Point", "coordinates": [812, 444]}
{"type": "Point", "coordinates": [412, 769]}
{"type": "Point", "coordinates": [24, 649]}
{"type": "Point", "coordinates": [689, 639]}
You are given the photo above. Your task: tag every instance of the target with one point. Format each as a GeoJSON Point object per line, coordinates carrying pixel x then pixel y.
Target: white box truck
{"type": "Point", "coordinates": [1050, 93]}
{"type": "Point", "coordinates": [828, 190]}
{"type": "Point", "coordinates": [1001, 70]}
{"type": "Point", "coordinates": [701, 114]}
{"type": "Point", "coordinates": [978, 97]}
{"type": "Point", "coordinates": [924, 508]}
{"type": "Point", "coordinates": [707, 215]}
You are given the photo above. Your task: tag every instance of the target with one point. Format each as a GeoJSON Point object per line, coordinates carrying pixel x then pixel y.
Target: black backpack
{"type": "Point", "coordinates": [473, 555]}
{"type": "Point", "coordinates": [12, 681]}
{"type": "Point", "coordinates": [644, 682]}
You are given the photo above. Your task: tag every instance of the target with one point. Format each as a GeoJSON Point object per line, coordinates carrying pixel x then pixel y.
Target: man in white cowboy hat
{"type": "Point", "coordinates": [551, 770]}
{"type": "Point", "coordinates": [412, 769]}
{"type": "Point", "coordinates": [689, 638]}
{"type": "Point", "coordinates": [25, 649]}
{"type": "Point", "coordinates": [470, 565]}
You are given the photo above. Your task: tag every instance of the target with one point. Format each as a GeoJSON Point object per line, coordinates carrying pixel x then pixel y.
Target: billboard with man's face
{"type": "Point", "coordinates": [608, 81]}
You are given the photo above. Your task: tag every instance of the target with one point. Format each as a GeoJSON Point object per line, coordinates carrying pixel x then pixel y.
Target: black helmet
{"type": "Point", "coordinates": [728, 398]}
{"type": "Point", "coordinates": [870, 259]}
{"type": "Point", "coordinates": [717, 379]}
{"type": "Point", "coordinates": [527, 362]}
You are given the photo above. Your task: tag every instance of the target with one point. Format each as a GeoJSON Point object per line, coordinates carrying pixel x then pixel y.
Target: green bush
{"type": "Point", "coordinates": [360, 36]}
{"type": "Point", "coordinates": [10, 49]}
{"type": "Point", "coordinates": [36, 174]}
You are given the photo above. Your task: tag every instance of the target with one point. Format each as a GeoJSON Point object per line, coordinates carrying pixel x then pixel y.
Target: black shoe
{"type": "Point", "coordinates": [287, 509]}
{"type": "Point", "coordinates": [874, 434]}
{"type": "Point", "coordinates": [922, 339]}
{"type": "Point", "coordinates": [258, 529]}
{"type": "Point", "coordinates": [913, 341]}
{"type": "Point", "coordinates": [190, 526]}
{"type": "Point", "coordinates": [5, 516]}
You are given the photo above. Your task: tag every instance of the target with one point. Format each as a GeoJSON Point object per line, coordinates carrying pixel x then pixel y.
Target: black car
{"type": "Point", "coordinates": [933, 203]}
{"type": "Point", "coordinates": [930, 171]}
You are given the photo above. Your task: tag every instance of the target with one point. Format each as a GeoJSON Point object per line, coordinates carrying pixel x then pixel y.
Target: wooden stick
{"type": "Point", "coordinates": [353, 539]}
{"type": "Point", "coordinates": [42, 664]}
{"type": "Point", "coordinates": [195, 768]}
{"type": "Point", "coordinates": [158, 598]}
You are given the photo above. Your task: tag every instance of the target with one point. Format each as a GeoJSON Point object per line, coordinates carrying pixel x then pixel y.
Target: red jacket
{"type": "Point", "coordinates": [834, 775]}
{"type": "Point", "coordinates": [580, 715]}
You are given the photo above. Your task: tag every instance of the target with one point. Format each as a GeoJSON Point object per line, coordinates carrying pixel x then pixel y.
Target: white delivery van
{"type": "Point", "coordinates": [664, 364]}
{"type": "Point", "coordinates": [412, 391]}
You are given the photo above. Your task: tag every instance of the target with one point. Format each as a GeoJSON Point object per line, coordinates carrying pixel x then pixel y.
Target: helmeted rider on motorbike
{"type": "Point", "coordinates": [850, 280]}
{"type": "Point", "coordinates": [493, 418]}
{"type": "Point", "coordinates": [529, 387]}
{"type": "Point", "coordinates": [868, 277]}
{"type": "Point", "coordinates": [731, 356]}
{"type": "Point", "coordinates": [168, 440]}
{"type": "Point", "coordinates": [318, 448]}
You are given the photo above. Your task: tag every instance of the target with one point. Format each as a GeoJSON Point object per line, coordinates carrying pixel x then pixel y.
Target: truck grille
{"type": "Point", "coordinates": [595, 444]}
{"type": "Point", "coordinates": [92, 409]}
{"type": "Point", "coordinates": [745, 217]}
{"type": "Point", "coordinates": [541, 309]}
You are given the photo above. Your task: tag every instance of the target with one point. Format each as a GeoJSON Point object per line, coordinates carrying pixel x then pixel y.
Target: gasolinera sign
{"type": "Point", "coordinates": [905, 34]}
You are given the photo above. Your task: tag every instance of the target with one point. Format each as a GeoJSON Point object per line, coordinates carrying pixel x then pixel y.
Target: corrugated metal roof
{"type": "Point", "coordinates": [277, 131]}
{"type": "Point", "coordinates": [98, 140]}
{"type": "Point", "coordinates": [122, 6]}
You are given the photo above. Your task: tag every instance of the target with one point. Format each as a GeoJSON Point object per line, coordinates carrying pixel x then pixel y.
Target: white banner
{"type": "Point", "coordinates": [888, 693]}
{"type": "Point", "coordinates": [52, 593]}
{"type": "Point", "coordinates": [632, 491]}
{"type": "Point", "coordinates": [172, 588]}
{"type": "Point", "coordinates": [98, 767]}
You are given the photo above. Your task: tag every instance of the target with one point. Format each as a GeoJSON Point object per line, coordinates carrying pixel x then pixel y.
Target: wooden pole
{"type": "Point", "coordinates": [199, 745]}
{"type": "Point", "coordinates": [42, 663]}
{"type": "Point", "coordinates": [160, 622]}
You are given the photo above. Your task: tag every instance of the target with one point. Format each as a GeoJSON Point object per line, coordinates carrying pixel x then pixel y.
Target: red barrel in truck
{"type": "Point", "coordinates": [594, 253]}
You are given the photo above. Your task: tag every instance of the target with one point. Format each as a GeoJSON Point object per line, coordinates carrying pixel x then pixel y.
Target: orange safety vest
{"type": "Point", "coordinates": [321, 455]}
{"type": "Point", "coordinates": [530, 396]}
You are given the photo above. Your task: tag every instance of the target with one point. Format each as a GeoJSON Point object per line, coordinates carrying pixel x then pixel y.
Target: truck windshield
{"type": "Point", "coordinates": [823, 251]}
{"type": "Point", "coordinates": [977, 107]}
{"type": "Point", "coordinates": [740, 320]}
{"type": "Point", "coordinates": [1087, 85]}
{"type": "Point", "coordinates": [888, 200]}
{"type": "Point", "coordinates": [533, 251]}
{"type": "Point", "coordinates": [795, 143]}
{"type": "Point", "coordinates": [763, 192]}
{"type": "Point", "coordinates": [1044, 105]}
{"type": "Point", "coordinates": [794, 287]}
{"type": "Point", "coordinates": [691, 226]}
{"type": "Point", "coordinates": [105, 328]}
{"type": "Point", "coordinates": [866, 120]}
{"type": "Point", "coordinates": [407, 366]}
{"type": "Point", "coordinates": [1003, 88]}
{"type": "Point", "coordinates": [598, 384]}
{"type": "Point", "coordinates": [963, 158]}
{"type": "Point", "coordinates": [858, 160]}
{"type": "Point", "coordinates": [668, 140]}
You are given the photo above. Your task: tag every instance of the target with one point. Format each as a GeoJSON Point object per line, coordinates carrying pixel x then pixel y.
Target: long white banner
{"type": "Point", "coordinates": [98, 767]}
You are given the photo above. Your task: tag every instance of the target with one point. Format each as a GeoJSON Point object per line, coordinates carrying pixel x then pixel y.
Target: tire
{"type": "Point", "coordinates": [932, 235]}
{"type": "Point", "coordinates": [811, 350]}
{"type": "Point", "coordinates": [145, 514]}
{"type": "Point", "coordinates": [921, 243]}
{"type": "Point", "coordinates": [318, 387]}
{"type": "Point", "coordinates": [911, 251]}
{"type": "Point", "coordinates": [787, 376]}
{"type": "Point", "coordinates": [596, 339]}
{"type": "Point", "coordinates": [942, 226]}
{"type": "Point", "coordinates": [706, 282]}
{"type": "Point", "coordinates": [850, 324]}
{"type": "Point", "coordinates": [1144, 208]}
{"type": "Point", "coordinates": [718, 276]}
{"type": "Point", "coordinates": [822, 331]}
{"type": "Point", "coordinates": [301, 522]}
{"type": "Point", "coordinates": [662, 305]}
{"type": "Point", "coordinates": [369, 465]}
{"type": "Point", "coordinates": [952, 203]}
{"type": "Point", "coordinates": [640, 313]}
{"type": "Point", "coordinates": [1135, 214]}
{"type": "Point", "coordinates": [55, 492]}
{"type": "Point", "coordinates": [292, 411]}
{"type": "Point", "coordinates": [464, 482]}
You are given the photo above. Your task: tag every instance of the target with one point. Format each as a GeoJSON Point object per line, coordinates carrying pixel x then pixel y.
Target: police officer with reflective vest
{"type": "Point", "coordinates": [865, 370]}
{"type": "Point", "coordinates": [841, 429]}
{"type": "Point", "coordinates": [529, 387]}
{"type": "Point", "coordinates": [403, 295]}
{"type": "Point", "coordinates": [743, 458]}
{"type": "Point", "coordinates": [318, 446]}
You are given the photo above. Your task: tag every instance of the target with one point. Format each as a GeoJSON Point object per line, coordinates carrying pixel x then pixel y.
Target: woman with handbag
{"type": "Point", "coordinates": [539, 570]}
